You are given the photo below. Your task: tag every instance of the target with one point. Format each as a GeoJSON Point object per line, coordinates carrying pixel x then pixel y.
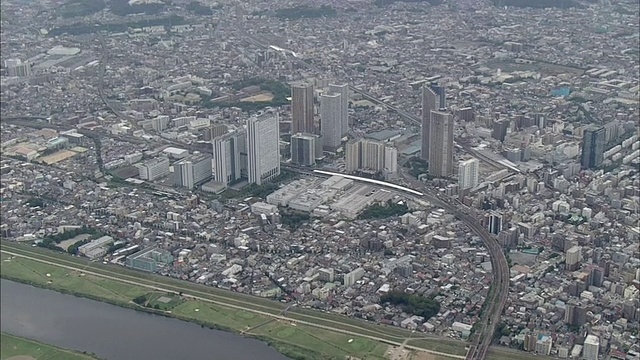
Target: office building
{"type": "Point", "coordinates": [591, 348]}
{"type": "Point", "coordinates": [153, 169]}
{"type": "Point", "coordinates": [433, 98]}
{"type": "Point", "coordinates": [543, 345]}
{"type": "Point", "coordinates": [303, 149]}
{"type": "Point", "coordinates": [353, 276]}
{"type": "Point", "coordinates": [495, 223]}
{"type": "Point", "coordinates": [441, 144]}
{"type": "Point", "coordinates": [214, 131]}
{"type": "Point", "coordinates": [593, 142]}
{"type": "Point", "coordinates": [573, 258]}
{"type": "Point", "coordinates": [468, 174]}
{"type": "Point", "coordinates": [370, 155]}
{"type": "Point", "coordinates": [343, 90]}
{"type": "Point", "coordinates": [331, 120]}
{"type": "Point", "coordinates": [302, 120]}
{"type": "Point", "coordinates": [192, 170]}
{"type": "Point", "coordinates": [227, 157]}
{"type": "Point", "coordinates": [15, 67]}
{"type": "Point", "coordinates": [499, 130]}
{"type": "Point", "coordinates": [263, 147]}
{"type": "Point", "coordinates": [390, 159]}
{"type": "Point", "coordinates": [149, 260]}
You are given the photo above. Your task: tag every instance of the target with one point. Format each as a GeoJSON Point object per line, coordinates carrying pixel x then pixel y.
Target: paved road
{"type": "Point", "coordinates": [201, 296]}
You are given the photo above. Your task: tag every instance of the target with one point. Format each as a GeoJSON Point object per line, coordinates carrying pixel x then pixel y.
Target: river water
{"type": "Point", "coordinates": [116, 333]}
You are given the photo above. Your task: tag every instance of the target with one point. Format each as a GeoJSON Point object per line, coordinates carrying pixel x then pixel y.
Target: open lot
{"type": "Point", "coordinates": [57, 157]}
{"type": "Point", "coordinates": [259, 97]}
{"type": "Point", "coordinates": [16, 348]}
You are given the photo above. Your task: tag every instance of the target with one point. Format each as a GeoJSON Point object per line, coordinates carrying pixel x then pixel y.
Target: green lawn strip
{"type": "Point", "coordinates": [440, 345]}
{"type": "Point", "coordinates": [61, 278]}
{"type": "Point", "coordinates": [11, 346]}
{"type": "Point", "coordinates": [496, 353]}
{"type": "Point", "coordinates": [286, 333]}
{"type": "Point", "coordinates": [233, 319]}
{"type": "Point", "coordinates": [249, 301]}
{"type": "Point", "coordinates": [207, 314]}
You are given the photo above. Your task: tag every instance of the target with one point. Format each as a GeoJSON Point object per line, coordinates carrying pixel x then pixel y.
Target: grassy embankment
{"type": "Point", "coordinates": [12, 346]}
{"type": "Point", "coordinates": [294, 340]}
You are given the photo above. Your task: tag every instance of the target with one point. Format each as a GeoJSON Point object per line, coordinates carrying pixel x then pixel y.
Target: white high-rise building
{"type": "Point", "coordinates": [192, 170]}
{"type": "Point", "coordinates": [390, 159]}
{"type": "Point", "coordinates": [370, 155]}
{"type": "Point", "coordinates": [343, 90]}
{"type": "Point", "coordinates": [331, 120]}
{"type": "Point", "coordinates": [226, 157]}
{"type": "Point", "coordinates": [468, 173]}
{"type": "Point", "coordinates": [591, 348]}
{"type": "Point", "coordinates": [153, 169]}
{"type": "Point", "coordinates": [263, 147]}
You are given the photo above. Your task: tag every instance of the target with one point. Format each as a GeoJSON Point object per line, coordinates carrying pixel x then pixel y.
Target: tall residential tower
{"type": "Point", "coordinates": [343, 90]}
{"type": "Point", "coordinates": [433, 98]}
{"type": "Point", "coordinates": [441, 144]}
{"type": "Point", "coordinates": [593, 142]}
{"type": "Point", "coordinates": [302, 120]}
{"type": "Point", "coordinates": [263, 147]}
{"type": "Point", "coordinates": [331, 120]}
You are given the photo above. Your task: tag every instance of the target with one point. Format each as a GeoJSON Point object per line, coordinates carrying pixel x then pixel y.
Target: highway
{"type": "Point", "coordinates": [218, 298]}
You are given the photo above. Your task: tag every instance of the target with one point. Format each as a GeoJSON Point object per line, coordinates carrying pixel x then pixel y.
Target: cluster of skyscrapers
{"type": "Point", "coordinates": [334, 117]}
{"type": "Point", "coordinates": [371, 155]}
{"type": "Point", "coordinates": [252, 153]}
{"type": "Point", "coordinates": [437, 131]}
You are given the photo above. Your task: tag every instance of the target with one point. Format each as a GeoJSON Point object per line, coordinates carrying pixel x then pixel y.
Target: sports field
{"type": "Point", "coordinates": [16, 348]}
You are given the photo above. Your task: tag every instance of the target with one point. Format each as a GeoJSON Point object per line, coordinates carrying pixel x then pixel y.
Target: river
{"type": "Point", "coordinates": [116, 333]}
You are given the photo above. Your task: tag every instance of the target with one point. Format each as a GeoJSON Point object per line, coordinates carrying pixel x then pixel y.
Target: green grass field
{"type": "Point", "coordinates": [441, 345]}
{"type": "Point", "coordinates": [252, 302]}
{"type": "Point", "coordinates": [11, 346]}
{"type": "Point", "coordinates": [295, 340]}
{"type": "Point", "coordinates": [306, 341]}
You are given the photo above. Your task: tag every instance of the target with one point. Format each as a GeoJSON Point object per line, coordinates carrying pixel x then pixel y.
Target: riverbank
{"type": "Point", "coordinates": [293, 340]}
{"type": "Point", "coordinates": [17, 348]}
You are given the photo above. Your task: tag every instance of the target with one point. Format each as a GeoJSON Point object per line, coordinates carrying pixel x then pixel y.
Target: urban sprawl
{"type": "Point", "coordinates": [344, 156]}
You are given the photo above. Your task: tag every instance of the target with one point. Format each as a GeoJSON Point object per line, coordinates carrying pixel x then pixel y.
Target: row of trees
{"type": "Point", "coordinates": [75, 8]}
{"type": "Point", "coordinates": [412, 304]}
{"type": "Point", "coordinates": [279, 91]}
{"type": "Point", "coordinates": [304, 11]}
{"type": "Point", "coordinates": [197, 8]}
{"type": "Point", "coordinates": [85, 28]}
{"type": "Point", "coordinates": [378, 211]}
{"type": "Point", "coordinates": [52, 241]}
{"type": "Point", "coordinates": [292, 218]}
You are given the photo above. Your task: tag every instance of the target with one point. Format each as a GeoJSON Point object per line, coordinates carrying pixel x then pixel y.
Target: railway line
{"type": "Point", "coordinates": [499, 289]}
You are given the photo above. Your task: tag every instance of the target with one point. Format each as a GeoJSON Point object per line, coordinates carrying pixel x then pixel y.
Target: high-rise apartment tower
{"type": "Point", "coordinates": [302, 120]}
{"type": "Point", "coordinates": [263, 147]}
{"type": "Point", "coordinates": [343, 90]}
{"type": "Point", "coordinates": [441, 144]}
{"type": "Point", "coordinates": [433, 98]}
{"type": "Point", "coordinates": [331, 120]}
{"type": "Point", "coordinates": [593, 142]}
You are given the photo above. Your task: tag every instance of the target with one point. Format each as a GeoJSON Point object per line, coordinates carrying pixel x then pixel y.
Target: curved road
{"type": "Point", "coordinates": [498, 292]}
